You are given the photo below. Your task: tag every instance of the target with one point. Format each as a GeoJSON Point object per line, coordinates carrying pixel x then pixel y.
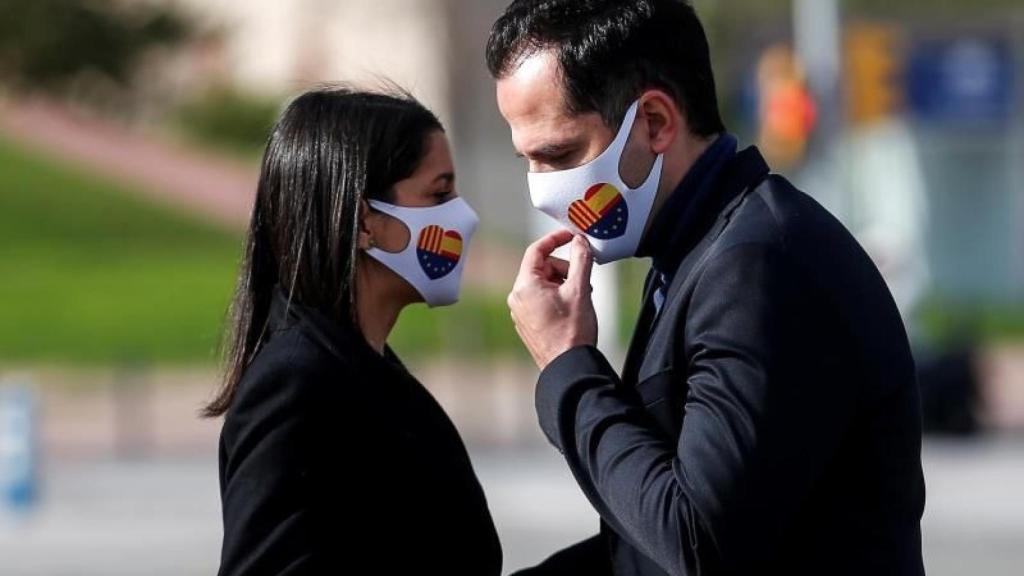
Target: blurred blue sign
{"type": "Point", "coordinates": [964, 80]}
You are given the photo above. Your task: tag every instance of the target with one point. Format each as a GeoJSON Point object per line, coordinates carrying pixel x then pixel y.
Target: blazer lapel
{"type": "Point", "coordinates": [641, 334]}
{"type": "Point", "coordinates": [691, 262]}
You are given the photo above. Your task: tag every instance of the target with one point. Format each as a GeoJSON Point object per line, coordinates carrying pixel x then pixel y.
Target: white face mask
{"type": "Point", "coordinates": [593, 199]}
{"type": "Point", "coordinates": [434, 259]}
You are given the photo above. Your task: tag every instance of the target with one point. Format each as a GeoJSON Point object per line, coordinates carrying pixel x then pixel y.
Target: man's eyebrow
{"type": "Point", "coordinates": [550, 150]}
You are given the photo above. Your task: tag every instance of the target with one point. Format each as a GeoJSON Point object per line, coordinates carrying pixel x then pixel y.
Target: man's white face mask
{"type": "Point", "coordinates": [593, 198]}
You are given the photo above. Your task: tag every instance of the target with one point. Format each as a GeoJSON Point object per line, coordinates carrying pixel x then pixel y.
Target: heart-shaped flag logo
{"type": "Point", "coordinates": [602, 213]}
{"type": "Point", "coordinates": [438, 251]}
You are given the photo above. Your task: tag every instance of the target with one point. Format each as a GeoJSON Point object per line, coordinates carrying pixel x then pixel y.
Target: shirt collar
{"type": "Point", "coordinates": [687, 206]}
{"type": "Point", "coordinates": [716, 179]}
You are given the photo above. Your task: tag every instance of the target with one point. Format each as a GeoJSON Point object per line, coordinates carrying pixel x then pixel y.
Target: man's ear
{"type": "Point", "coordinates": [664, 119]}
{"type": "Point", "coordinates": [655, 130]}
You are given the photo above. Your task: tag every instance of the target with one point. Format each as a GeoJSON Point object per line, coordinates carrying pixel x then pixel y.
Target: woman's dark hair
{"type": "Point", "coordinates": [331, 148]}
{"type": "Point", "coordinates": [610, 51]}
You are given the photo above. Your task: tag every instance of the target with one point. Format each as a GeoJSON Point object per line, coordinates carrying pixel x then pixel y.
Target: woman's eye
{"type": "Point", "coordinates": [442, 197]}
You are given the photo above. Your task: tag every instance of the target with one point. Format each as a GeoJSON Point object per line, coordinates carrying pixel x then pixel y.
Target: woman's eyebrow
{"type": "Point", "coordinates": [447, 177]}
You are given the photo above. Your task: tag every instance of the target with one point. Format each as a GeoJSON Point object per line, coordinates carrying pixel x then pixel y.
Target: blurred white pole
{"type": "Point", "coordinates": [605, 280]}
{"type": "Point", "coordinates": [817, 39]}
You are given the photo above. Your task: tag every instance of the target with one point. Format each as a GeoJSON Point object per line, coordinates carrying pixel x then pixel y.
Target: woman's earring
{"type": "Point", "coordinates": [372, 243]}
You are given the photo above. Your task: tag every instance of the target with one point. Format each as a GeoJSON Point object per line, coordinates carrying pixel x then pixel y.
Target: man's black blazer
{"type": "Point", "coordinates": [767, 420]}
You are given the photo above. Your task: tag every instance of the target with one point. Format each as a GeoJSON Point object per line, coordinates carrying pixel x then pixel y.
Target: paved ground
{"type": "Point", "coordinates": [157, 517]}
{"type": "Point", "coordinates": [109, 515]}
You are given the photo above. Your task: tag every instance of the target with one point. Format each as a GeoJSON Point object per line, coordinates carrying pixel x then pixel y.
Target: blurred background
{"type": "Point", "coordinates": [130, 135]}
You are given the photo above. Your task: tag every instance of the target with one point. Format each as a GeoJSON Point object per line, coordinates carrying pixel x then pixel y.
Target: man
{"type": "Point", "coordinates": [767, 418]}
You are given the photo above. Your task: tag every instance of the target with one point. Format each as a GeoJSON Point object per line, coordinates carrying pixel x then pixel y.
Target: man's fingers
{"type": "Point", "coordinates": [559, 268]}
{"type": "Point", "coordinates": [538, 252]}
{"type": "Point", "coordinates": [581, 262]}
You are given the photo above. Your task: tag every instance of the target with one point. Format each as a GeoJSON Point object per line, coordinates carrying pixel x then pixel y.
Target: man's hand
{"type": "Point", "coordinates": [550, 301]}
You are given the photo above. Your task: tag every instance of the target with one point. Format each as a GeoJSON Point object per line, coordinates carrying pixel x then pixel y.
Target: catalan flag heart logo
{"type": "Point", "coordinates": [438, 251]}
{"type": "Point", "coordinates": [602, 213]}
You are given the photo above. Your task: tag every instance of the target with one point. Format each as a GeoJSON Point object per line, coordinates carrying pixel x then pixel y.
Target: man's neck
{"type": "Point", "coordinates": [677, 166]}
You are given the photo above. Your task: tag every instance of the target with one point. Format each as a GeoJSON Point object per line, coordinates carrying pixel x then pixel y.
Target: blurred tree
{"type": "Point", "coordinates": [230, 120]}
{"type": "Point", "coordinates": [48, 45]}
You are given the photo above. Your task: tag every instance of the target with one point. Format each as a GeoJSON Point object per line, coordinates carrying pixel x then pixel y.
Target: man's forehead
{"type": "Point", "coordinates": [532, 88]}
{"type": "Point", "coordinates": [532, 101]}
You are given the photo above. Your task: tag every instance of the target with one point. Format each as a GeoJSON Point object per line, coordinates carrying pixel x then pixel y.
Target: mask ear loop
{"type": "Point", "coordinates": [375, 245]}
{"type": "Point", "coordinates": [623, 157]}
{"type": "Point", "coordinates": [621, 139]}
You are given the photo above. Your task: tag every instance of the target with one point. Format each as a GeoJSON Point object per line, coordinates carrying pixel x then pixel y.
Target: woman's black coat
{"type": "Point", "coordinates": [334, 459]}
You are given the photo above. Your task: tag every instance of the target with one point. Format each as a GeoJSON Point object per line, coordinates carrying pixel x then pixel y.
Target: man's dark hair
{"type": "Point", "coordinates": [610, 51]}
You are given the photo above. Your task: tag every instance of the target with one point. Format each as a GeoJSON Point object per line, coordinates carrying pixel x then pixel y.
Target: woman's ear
{"type": "Point", "coordinates": [365, 235]}
{"type": "Point", "coordinates": [379, 230]}
{"type": "Point", "coordinates": [664, 119]}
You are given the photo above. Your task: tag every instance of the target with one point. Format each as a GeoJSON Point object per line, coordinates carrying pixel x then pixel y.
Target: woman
{"type": "Point", "coordinates": [332, 456]}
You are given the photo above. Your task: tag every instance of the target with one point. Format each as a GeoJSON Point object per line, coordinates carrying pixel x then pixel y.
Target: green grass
{"type": "Point", "coordinates": [479, 325]}
{"type": "Point", "coordinates": [944, 322]}
{"type": "Point", "coordinates": [229, 122]}
{"type": "Point", "coordinates": [92, 275]}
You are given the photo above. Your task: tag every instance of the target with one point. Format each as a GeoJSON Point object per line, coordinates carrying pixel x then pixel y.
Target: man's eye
{"type": "Point", "coordinates": [562, 160]}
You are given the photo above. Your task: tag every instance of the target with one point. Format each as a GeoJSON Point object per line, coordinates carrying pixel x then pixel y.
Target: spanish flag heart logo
{"type": "Point", "coordinates": [602, 214]}
{"type": "Point", "coordinates": [438, 251]}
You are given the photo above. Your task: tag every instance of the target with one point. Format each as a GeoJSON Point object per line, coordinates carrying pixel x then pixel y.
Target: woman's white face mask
{"type": "Point", "coordinates": [593, 198]}
{"type": "Point", "coordinates": [435, 257]}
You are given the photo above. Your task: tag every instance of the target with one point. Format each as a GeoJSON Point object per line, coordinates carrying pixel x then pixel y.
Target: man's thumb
{"type": "Point", "coordinates": [581, 262]}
